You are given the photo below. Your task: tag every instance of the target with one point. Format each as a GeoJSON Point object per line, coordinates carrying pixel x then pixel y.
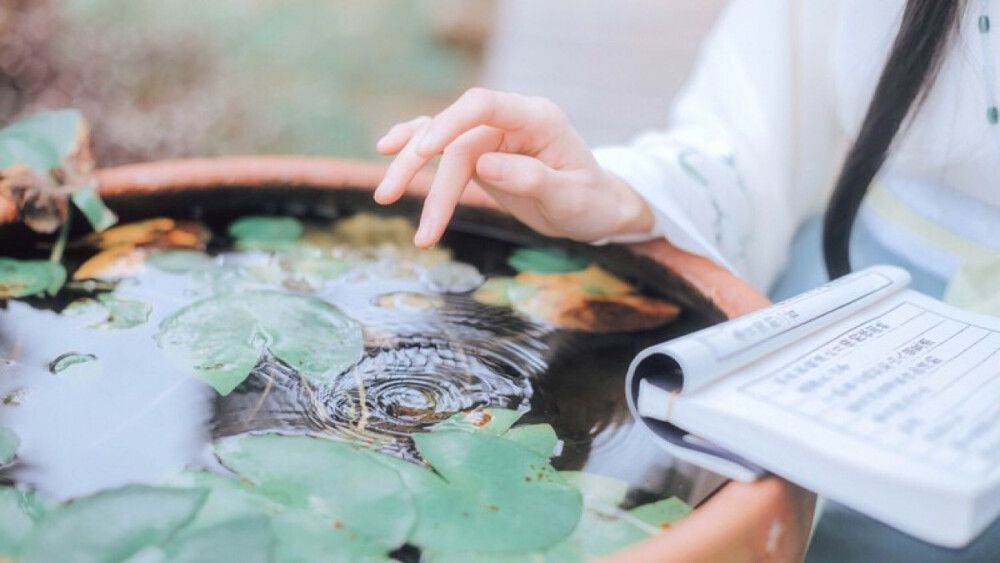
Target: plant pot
{"type": "Point", "coordinates": [768, 520]}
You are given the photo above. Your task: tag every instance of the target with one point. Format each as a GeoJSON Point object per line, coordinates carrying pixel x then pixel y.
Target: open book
{"type": "Point", "coordinates": [861, 390]}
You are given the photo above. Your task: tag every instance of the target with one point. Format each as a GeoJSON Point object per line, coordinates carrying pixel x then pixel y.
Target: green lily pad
{"type": "Point", "coordinates": [301, 535]}
{"type": "Point", "coordinates": [663, 512]}
{"type": "Point", "coordinates": [597, 489]}
{"type": "Point", "coordinates": [9, 443]}
{"type": "Point", "coordinates": [539, 438]}
{"type": "Point", "coordinates": [265, 229]}
{"type": "Point", "coordinates": [114, 525]}
{"type": "Point", "coordinates": [181, 261]}
{"type": "Point", "coordinates": [489, 420]}
{"type": "Point", "coordinates": [20, 512]}
{"type": "Point", "coordinates": [93, 208]}
{"type": "Point", "coordinates": [41, 141]}
{"type": "Point", "coordinates": [24, 278]}
{"type": "Point", "coordinates": [504, 292]}
{"type": "Point", "coordinates": [124, 313]}
{"type": "Point", "coordinates": [492, 495]}
{"type": "Point", "coordinates": [332, 479]}
{"type": "Point", "coordinates": [246, 540]}
{"type": "Point", "coordinates": [220, 339]}
{"type": "Point", "coordinates": [544, 261]}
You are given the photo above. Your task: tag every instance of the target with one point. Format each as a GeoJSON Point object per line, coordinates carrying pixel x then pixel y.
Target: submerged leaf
{"type": "Point", "coordinates": [335, 480]}
{"type": "Point", "coordinates": [9, 442]}
{"type": "Point", "coordinates": [504, 292]}
{"type": "Point", "coordinates": [112, 264]}
{"type": "Point", "coordinates": [139, 233]}
{"type": "Point", "coordinates": [24, 278]}
{"type": "Point", "coordinates": [365, 229]}
{"type": "Point", "coordinates": [222, 338]}
{"type": "Point", "coordinates": [181, 261]}
{"type": "Point", "coordinates": [114, 525]}
{"type": "Point", "coordinates": [544, 261]}
{"type": "Point", "coordinates": [453, 277]}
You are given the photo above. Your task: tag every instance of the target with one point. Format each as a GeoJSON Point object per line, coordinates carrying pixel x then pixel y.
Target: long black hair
{"type": "Point", "coordinates": [924, 35]}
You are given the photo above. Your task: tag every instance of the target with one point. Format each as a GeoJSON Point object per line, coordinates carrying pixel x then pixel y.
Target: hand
{"type": "Point", "coordinates": [525, 154]}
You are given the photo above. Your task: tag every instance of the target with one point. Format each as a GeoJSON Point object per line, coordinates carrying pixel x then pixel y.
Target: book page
{"type": "Point", "coordinates": [706, 355]}
{"type": "Point", "coordinates": [913, 376]}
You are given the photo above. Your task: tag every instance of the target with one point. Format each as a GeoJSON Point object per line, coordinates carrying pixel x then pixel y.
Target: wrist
{"type": "Point", "coordinates": [633, 215]}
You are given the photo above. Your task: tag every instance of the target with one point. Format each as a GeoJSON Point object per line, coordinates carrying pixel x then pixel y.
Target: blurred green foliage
{"type": "Point", "coordinates": [167, 78]}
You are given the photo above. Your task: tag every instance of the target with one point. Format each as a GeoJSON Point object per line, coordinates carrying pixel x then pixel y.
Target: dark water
{"type": "Point", "coordinates": [117, 412]}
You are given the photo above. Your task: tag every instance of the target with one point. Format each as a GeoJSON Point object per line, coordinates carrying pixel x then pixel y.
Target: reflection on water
{"type": "Point", "coordinates": [97, 408]}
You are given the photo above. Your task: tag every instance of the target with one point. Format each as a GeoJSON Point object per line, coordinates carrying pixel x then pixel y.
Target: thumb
{"type": "Point", "coordinates": [514, 174]}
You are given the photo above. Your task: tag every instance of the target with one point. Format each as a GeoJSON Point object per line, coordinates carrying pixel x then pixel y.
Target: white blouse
{"type": "Point", "coordinates": [759, 133]}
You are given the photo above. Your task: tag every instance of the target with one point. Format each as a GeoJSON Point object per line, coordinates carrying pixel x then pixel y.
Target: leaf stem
{"type": "Point", "coordinates": [60, 246]}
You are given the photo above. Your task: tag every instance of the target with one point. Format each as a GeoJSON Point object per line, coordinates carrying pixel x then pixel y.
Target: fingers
{"type": "Point", "coordinates": [478, 106]}
{"type": "Point", "coordinates": [403, 168]}
{"type": "Point", "coordinates": [457, 166]}
{"type": "Point", "coordinates": [516, 175]}
{"type": "Point", "coordinates": [399, 135]}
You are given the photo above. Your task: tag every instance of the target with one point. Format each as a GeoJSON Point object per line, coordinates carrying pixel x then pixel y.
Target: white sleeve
{"type": "Point", "coordinates": [726, 180]}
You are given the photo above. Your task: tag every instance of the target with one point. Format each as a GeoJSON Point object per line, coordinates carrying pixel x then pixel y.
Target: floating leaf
{"type": "Point", "coordinates": [43, 140]}
{"type": "Point", "coordinates": [539, 438]}
{"type": "Point", "coordinates": [334, 479]}
{"type": "Point", "coordinates": [594, 280]}
{"type": "Point", "coordinates": [20, 512]}
{"type": "Point", "coordinates": [262, 231]}
{"type": "Point", "coordinates": [70, 360]}
{"type": "Point", "coordinates": [222, 338]}
{"type": "Point", "coordinates": [544, 261]}
{"type": "Point", "coordinates": [492, 495]}
{"type": "Point", "coordinates": [9, 442]}
{"type": "Point", "coordinates": [114, 525]}
{"type": "Point", "coordinates": [93, 208]}
{"type": "Point", "coordinates": [246, 540]}
{"type": "Point", "coordinates": [301, 535]}
{"type": "Point", "coordinates": [504, 292]}
{"type": "Point", "coordinates": [597, 489]}
{"type": "Point", "coordinates": [124, 313]}
{"type": "Point", "coordinates": [489, 420]}
{"type": "Point", "coordinates": [24, 278]}
{"type": "Point", "coordinates": [181, 261]}
{"type": "Point", "coordinates": [662, 513]}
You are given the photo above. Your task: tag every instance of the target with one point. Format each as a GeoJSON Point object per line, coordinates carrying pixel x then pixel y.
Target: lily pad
{"type": "Point", "coordinates": [20, 512]}
{"type": "Point", "coordinates": [42, 141]}
{"type": "Point", "coordinates": [265, 229]}
{"type": "Point", "coordinates": [181, 261]}
{"type": "Point", "coordinates": [492, 495]}
{"type": "Point", "coordinates": [544, 261]}
{"type": "Point", "coordinates": [93, 208]}
{"type": "Point", "coordinates": [24, 278]}
{"type": "Point", "coordinates": [301, 535]}
{"type": "Point", "coordinates": [114, 525]}
{"type": "Point", "coordinates": [247, 540]}
{"type": "Point", "coordinates": [9, 443]}
{"type": "Point", "coordinates": [539, 438]}
{"type": "Point", "coordinates": [335, 480]}
{"type": "Point", "coordinates": [221, 339]}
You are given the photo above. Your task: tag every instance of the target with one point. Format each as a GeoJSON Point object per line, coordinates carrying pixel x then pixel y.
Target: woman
{"type": "Point", "coordinates": [795, 107]}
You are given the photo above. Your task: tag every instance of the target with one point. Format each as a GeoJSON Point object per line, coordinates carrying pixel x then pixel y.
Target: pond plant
{"type": "Point", "coordinates": [409, 372]}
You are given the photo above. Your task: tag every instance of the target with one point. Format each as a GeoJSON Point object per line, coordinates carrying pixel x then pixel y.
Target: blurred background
{"type": "Point", "coordinates": [173, 78]}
